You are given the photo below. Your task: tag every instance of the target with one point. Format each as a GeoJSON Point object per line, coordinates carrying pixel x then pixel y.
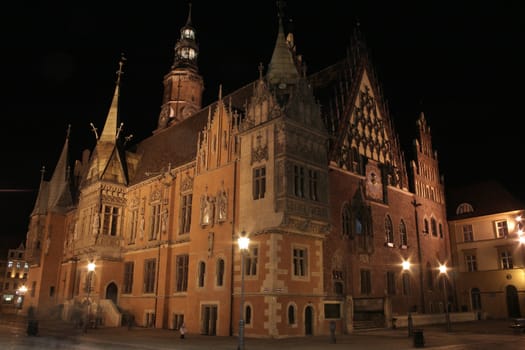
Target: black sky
{"type": "Point", "coordinates": [460, 62]}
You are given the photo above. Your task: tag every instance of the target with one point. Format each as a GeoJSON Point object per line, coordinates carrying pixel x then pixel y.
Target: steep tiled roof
{"type": "Point", "coordinates": [177, 145]}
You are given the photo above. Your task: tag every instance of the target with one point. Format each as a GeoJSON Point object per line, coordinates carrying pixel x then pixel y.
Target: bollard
{"type": "Point", "coordinates": [419, 339]}
{"type": "Point", "coordinates": [32, 327]}
{"type": "Point", "coordinates": [332, 332]}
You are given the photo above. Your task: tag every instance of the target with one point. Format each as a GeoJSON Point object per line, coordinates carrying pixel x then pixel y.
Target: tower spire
{"type": "Point", "coordinates": [282, 70]}
{"type": "Point", "coordinates": [109, 133]}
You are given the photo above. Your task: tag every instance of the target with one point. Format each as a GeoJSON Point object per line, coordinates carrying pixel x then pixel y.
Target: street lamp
{"type": "Point", "coordinates": [406, 271]}
{"type": "Point", "coordinates": [244, 242]}
{"type": "Point", "coordinates": [91, 270]}
{"type": "Point", "coordinates": [21, 292]}
{"type": "Point", "coordinates": [443, 272]}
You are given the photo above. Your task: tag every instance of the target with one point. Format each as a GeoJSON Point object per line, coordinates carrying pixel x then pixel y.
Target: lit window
{"type": "Point", "coordinates": [299, 262]}
{"type": "Point", "coordinates": [506, 260]}
{"type": "Point", "coordinates": [468, 235]}
{"type": "Point", "coordinates": [470, 261]}
{"type": "Point", "coordinates": [389, 232]}
{"type": "Point", "coordinates": [464, 208]}
{"type": "Point", "coordinates": [259, 182]}
{"type": "Point", "coordinates": [187, 33]}
{"type": "Point", "coordinates": [501, 228]}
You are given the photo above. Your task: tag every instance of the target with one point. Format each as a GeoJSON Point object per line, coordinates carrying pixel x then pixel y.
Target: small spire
{"type": "Point", "coordinates": [94, 129]}
{"type": "Point", "coordinates": [68, 132]}
{"type": "Point", "coordinates": [42, 172]}
{"type": "Point", "coordinates": [188, 21]}
{"type": "Point", "coordinates": [280, 8]}
{"type": "Point", "coordinates": [220, 92]}
{"type": "Point", "coordinates": [120, 65]}
{"type": "Point", "coordinates": [119, 129]}
{"type": "Point", "coordinates": [260, 70]}
{"type": "Point", "coordinates": [110, 130]}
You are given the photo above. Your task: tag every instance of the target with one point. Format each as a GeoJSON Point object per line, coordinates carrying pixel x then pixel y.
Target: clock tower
{"type": "Point", "coordinates": [183, 85]}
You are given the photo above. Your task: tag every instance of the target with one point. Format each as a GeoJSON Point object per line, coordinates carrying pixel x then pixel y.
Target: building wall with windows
{"type": "Point", "coordinates": [14, 276]}
{"type": "Point", "coordinates": [488, 253]}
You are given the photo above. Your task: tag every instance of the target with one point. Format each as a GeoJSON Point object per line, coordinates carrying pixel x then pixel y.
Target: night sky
{"type": "Point", "coordinates": [460, 62]}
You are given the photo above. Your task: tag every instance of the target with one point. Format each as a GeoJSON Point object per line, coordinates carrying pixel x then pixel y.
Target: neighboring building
{"type": "Point", "coordinates": [310, 167]}
{"type": "Point", "coordinates": [14, 276]}
{"type": "Point", "coordinates": [488, 249]}
{"type": "Point", "coordinates": [3, 267]}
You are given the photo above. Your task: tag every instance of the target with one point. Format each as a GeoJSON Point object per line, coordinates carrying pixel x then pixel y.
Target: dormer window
{"type": "Point", "coordinates": [464, 208]}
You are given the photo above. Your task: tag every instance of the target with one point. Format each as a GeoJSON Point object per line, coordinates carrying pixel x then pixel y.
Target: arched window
{"type": "Point", "coordinates": [248, 314]}
{"type": "Point", "coordinates": [464, 208]}
{"type": "Point", "coordinates": [433, 225]}
{"type": "Point", "coordinates": [220, 272]}
{"type": "Point", "coordinates": [202, 271]}
{"type": "Point", "coordinates": [345, 221]}
{"type": "Point", "coordinates": [291, 314]}
{"type": "Point", "coordinates": [389, 231]}
{"type": "Point", "coordinates": [425, 228]}
{"type": "Point", "coordinates": [358, 225]}
{"type": "Point", "coordinates": [403, 238]}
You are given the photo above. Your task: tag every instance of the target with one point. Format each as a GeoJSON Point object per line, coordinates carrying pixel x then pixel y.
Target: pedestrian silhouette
{"type": "Point", "coordinates": [182, 330]}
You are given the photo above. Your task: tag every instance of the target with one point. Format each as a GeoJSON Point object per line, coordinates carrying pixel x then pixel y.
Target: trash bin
{"type": "Point", "coordinates": [419, 339]}
{"type": "Point", "coordinates": [32, 327]}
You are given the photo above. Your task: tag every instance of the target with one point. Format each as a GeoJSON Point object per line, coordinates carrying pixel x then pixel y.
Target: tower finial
{"type": "Point", "coordinates": [94, 130]}
{"type": "Point", "coordinates": [120, 65]}
{"type": "Point", "coordinates": [42, 172]}
{"type": "Point", "coordinates": [260, 70]}
{"type": "Point", "coordinates": [188, 21]}
{"type": "Point", "coordinates": [68, 131]}
{"type": "Point", "coordinates": [280, 8]}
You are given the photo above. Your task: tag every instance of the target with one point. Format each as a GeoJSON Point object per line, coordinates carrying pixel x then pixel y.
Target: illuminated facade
{"type": "Point", "coordinates": [15, 270]}
{"type": "Point", "coordinates": [310, 166]}
{"type": "Point", "coordinates": [489, 250]}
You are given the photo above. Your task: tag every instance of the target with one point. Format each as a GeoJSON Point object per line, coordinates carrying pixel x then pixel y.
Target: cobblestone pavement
{"type": "Point", "coordinates": [476, 335]}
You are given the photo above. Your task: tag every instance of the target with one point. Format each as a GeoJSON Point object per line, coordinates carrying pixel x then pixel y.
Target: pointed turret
{"type": "Point", "coordinates": [109, 133]}
{"type": "Point", "coordinates": [41, 198]}
{"type": "Point", "coordinates": [282, 70]}
{"type": "Point", "coordinates": [59, 186]}
{"type": "Point", "coordinates": [55, 194]}
{"type": "Point", "coordinates": [186, 49]}
{"type": "Point", "coordinates": [107, 157]}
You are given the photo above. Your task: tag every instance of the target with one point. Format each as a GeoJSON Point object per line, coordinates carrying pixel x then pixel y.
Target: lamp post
{"type": "Point", "coordinates": [406, 289]}
{"type": "Point", "coordinates": [91, 269]}
{"type": "Point", "coordinates": [21, 292]}
{"type": "Point", "coordinates": [419, 256]}
{"type": "Point", "coordinates": [243, 241]}
{"type": "Point", "coordinates": [443, 272]}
